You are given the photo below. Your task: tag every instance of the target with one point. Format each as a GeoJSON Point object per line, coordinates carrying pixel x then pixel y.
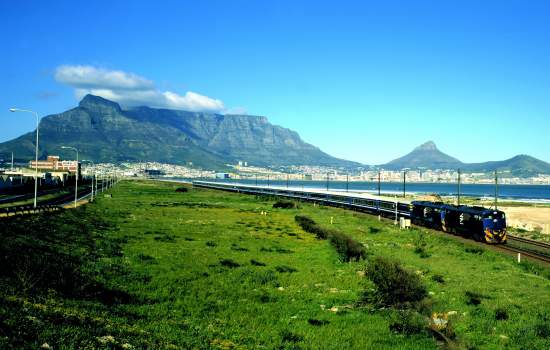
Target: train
{"type": "Point", "coordinates": [478, 223]}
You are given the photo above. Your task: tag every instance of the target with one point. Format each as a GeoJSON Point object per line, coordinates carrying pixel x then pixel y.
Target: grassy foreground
{"type": "Point", "coordinates": [153, 268]}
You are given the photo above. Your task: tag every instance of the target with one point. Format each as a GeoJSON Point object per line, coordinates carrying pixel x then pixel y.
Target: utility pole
{"type": "Point", "coordinates": [268, 180]}
{"type": "Point", "coordinates": [458, 201]}
{"type": "Point", "coordinates": [286, 180]}
{"type": "Point", "coordinates": [256, 179]}
{"type": "Point", "coordinates": [404, 175]}
{"type": "Point", "coordinates": [496, 189]}
{"type": "Point", "coordinates": [11, 161]}
{"type": "Point", "coordinates": [379, 182]}
{"type": "Point", "coordinates": [347, 182]}
{"type": "Point", "coordinates": [327, 181]}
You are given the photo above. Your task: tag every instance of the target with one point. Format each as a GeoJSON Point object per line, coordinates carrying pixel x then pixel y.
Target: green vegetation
{"type": "Point", "coordinates": [152, 268]}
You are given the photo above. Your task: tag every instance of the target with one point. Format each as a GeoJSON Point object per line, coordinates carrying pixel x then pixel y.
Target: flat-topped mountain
{"type": "Point", "coordinates": [104, 132]}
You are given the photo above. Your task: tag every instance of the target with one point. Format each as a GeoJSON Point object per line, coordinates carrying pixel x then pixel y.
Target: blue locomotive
{"type": "Point", "coordinates": [481, 224]}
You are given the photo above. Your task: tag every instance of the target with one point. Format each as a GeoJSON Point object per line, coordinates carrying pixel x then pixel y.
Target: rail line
{"type": "Point", "coordinates": [533, 249]}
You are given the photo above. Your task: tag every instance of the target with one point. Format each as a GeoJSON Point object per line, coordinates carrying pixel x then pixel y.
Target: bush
{"type": "Point", "coordinates": [284, 268]}
{"type": "Point", "coordinates": [501, 314]}
{"type": "Point", "coordinates": [182, 189]}
{"type": "Point", "coordinates": [473, 298]}
{"type": "Point", "coordinates": [256, 262]}
{"type": "Point", "coordinates": [409, 322]}
{"type": "Point", "coordinates": [284, 205]}
{"type": "Point", "coordinates": [348, 248]}
{"type": "Point", "coordinates": [310, 226]}
{"type": "Point", "coordinates": [394, 285]}
{"type": "Point", "coordinates": [211, 244]}
{"type": "Point", "coordinates": [438, 278]}
{"type": "Point", "coordinates": [316, 322]}
{"type": "Point", "coordinates": [421, 246]}
{"type": "Point", "coordinates": [229, 263]}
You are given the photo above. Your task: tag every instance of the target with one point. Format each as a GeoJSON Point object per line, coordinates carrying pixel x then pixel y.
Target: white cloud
{"type": "Point", "coordinates": [130, 89]}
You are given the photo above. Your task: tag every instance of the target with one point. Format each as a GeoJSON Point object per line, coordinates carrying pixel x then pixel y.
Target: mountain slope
{"type": "Point", "coordinates": [103, 132]}
{"type": "Point", "coordinates": [427, 156]}
{"type": "Point", "coordinates": [520, 165]}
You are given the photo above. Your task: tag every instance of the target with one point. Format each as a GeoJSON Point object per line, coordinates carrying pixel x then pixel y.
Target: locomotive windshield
{"type": "Point", "coordinates": [494, 215]}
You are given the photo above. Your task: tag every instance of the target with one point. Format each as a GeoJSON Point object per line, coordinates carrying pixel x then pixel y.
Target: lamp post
{"type": "Point", "coordinates": [36, 150]}
{"type": "Point", "coordinates": [93, 178]}
{"type": "Point", "coordinates": [76, 173]}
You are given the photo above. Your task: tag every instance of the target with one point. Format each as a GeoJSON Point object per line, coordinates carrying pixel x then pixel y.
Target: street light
{"type": "Point", "coordinates": [36, 150]}
{"type": "Point", "coordinates": [76, 173]}
{"type": "Point", "coordinates": [93, 177]}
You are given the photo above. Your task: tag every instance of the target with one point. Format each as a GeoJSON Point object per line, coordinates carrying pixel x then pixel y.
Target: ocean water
{"type": "Point", "coordinates": [531, 193]}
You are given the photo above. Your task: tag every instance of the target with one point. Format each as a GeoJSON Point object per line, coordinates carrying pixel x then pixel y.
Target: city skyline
{"type": "Point", "coordinates": [471, 77]}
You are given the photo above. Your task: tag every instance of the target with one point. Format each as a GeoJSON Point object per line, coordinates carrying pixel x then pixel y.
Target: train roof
{"type": "Point", "coordinates": [461, 208]}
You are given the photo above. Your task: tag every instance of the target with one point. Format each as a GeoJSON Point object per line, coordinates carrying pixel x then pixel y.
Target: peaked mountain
{"type": "Point", "coordinates": [427, 156]}
{"type": "Point", "coordinates": [103, 132]}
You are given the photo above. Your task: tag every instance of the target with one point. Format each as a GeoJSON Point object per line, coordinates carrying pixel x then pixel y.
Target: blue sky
{"type": "Point", "coordinates": [363, 80]}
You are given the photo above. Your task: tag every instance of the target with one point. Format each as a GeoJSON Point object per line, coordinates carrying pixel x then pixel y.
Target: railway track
{"type": "Point", "coordinates": [536, 250]}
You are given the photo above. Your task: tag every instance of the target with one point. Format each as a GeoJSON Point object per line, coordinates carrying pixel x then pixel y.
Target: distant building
{"type": "Point", "coordinates": [153, 172]}
{"type": "Point", "coordinates": [222, 176]}
{"type": "Point", "coordinates": [55, 164]}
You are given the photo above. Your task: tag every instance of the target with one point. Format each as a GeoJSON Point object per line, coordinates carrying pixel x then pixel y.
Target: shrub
{"type": "Point", "coordinates": [408, 322]}
{"type": "Point", "coordinates": [394, 285]}
{"type": "Point", "coordinates": [438, 278]}
{"type": "Point", "coordinates": [145, 258]}
{"type": "Point", "coordinates": [421, 246]}
{"type": "Point", "coordinates": [348, 248]}
{"type": "Point", "coordinates": [289, 337]}
{"type": "Point", "coordinates": [284, 268]}
{"type": "Point", "coordinates": [256, 262]}
{"type": "Point", "coordinates": [211, 244]}
{"type": "Point", "coordinates": [229, 263]}
{"type": "Point", "coordinates": [473, 298]}
{"type": "Point", "coordinates": [182, 189]}
{"type": "Point", "coordinates": [316, 322]}
{"type": "Point", "coordinates": [310, 226]}
{"type": "Point", "coordinates": [474, 250]}
{"type": "Point", "coordinates": [284, 205]}
{"type": "Point", "coordinates": [374, 230]}
{"type": "Point", "coordinates": [238, 248]}
{"type": "Point", "coordinates": [501, 314]}
{"type": "Point", "coordinates": [165, 238]}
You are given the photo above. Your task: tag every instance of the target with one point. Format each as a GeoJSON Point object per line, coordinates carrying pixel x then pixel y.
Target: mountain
{"type": "Point", "coordinates": [104, 132]}
{"type": "Point", "coordinates": [427, 156]}
{"type": "Point", "coordinates": [520, 165]}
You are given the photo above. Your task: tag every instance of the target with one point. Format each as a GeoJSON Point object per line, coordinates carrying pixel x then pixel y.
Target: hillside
{"type": "Point", "coordinates": [428, 156]}
{"type": "Point", "coordinates": [103, 132]}
{"type": "Point", "coordinates": [152, 268]}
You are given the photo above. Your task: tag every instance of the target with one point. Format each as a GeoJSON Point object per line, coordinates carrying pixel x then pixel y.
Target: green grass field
{"type": "Point", "coordinates": [151, 268]}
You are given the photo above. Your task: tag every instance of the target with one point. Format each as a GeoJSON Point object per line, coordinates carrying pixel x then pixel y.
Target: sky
{"type": "Point", "coordinates": [363, 80]}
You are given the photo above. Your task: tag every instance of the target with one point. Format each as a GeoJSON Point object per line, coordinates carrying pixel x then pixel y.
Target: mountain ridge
{"type": "Point", "coordinates": [104, 132]}
{"type": "Point", "coordinates": [428, 156]}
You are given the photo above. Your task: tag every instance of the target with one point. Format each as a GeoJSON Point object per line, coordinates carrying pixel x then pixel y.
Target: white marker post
{"type": "Point", "coordinates": [519, 258]}
{"type": "Point", "coordinates": [395, 222]}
